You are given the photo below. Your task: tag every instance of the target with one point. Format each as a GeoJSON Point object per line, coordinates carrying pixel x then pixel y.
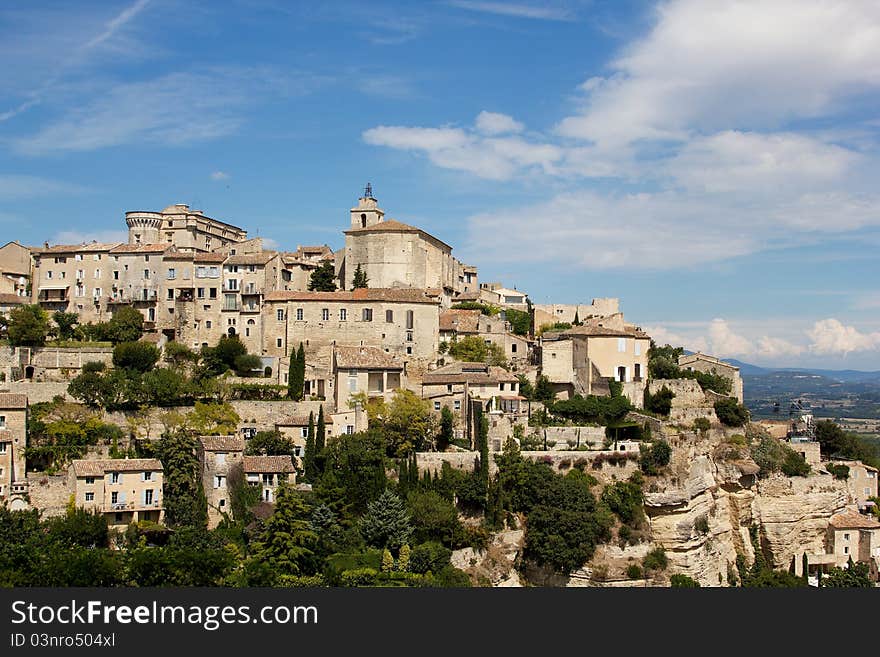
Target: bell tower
{"type": "Point", "coordinates": [367, 213]}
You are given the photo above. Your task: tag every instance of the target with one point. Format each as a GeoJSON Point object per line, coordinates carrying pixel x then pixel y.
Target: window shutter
{"type": "Point", "coordinates": [122, 497]}
{"type": "Point", "coordinates": [144, 497]}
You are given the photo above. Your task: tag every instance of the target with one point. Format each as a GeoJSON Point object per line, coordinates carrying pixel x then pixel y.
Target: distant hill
{"type": "Point", "coordinates": [853, 376]}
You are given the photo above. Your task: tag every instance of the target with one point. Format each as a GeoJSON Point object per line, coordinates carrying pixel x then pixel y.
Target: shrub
{"type": "Point", "coordinates": [701, 524]}
{"type": "Point", "coordinates": [702, 424]}
{"type": "Point", "coordinates": [634, 571]}
{"type": "Point", "coordinates": [731, 413]}
{"type": "Point", "coordinates": [625, 500]}
{"type": "Point", "coordinates": [838, 471]}
{"type": "Point", "coordinates": [656, 559]}
{"type": "Point", "coordinates": [661, 402]}
{"type": "Point", "coordinates": [654, 457]}
{"type": "Point", "coordinates": [683, 581]}
{"type": "Point", "coordinates": [429, 557]}
{"type": "Point", "coordinates": [137, 356]}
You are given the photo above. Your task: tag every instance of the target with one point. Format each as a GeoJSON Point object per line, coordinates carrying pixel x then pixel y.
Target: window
{"type": "Point", "coordinates": [325, 314]}
{"type": "Point", "coordinates": [278, 342]}
{"type": "Point", "coordinates": [146, 258]}
{"type": "Point", "coordinates": [90, 481]}
{"type": "Point", "coordinates": [846, 549]}
{"type": "Point", "coordinates": [409, 351]}
{"type": "Point", "coordinates": [621, 345]}
{"type": "Point", "coordinates": [501, 387]}
{"type": "Point", "coordinates": [232, 268]}
{"type": "Point", "coordinates": [114, 497]}
{"type": "Point", "coordinates": [114, 477]}
{"type": "Point", "coordinates": [90, 497]}
{"type": "Point", "coordinates": [80, 274]}
{"type": "Point", "coordinates": [436, 406]}
{"type": "Point", "coordinates": [222, 503]}
{"type": "Point", "coordinates": [146, 273]}
{"type": "Point", "coordinates": [2, 448]}
{"type": "Point", "coordinates": [148, 496]}
{"type": "Point", "coordinates": [172, 274]}
{"type": "Point", "coordinates": [367, 315]}
{"type": "Point", "coordinates": [279, 314]}
{"type": "Point", "coordinates": [304, 432]}
{"type": "Point", "coordinates": [118, 517]}
{"type": "Point", "coordinates": [219, 481]}
{"type": "Point", "coordinates": [637, 371]}
{"type": "Point", "coordinates": [513, 348]}
{"type": "Point", "coordinates": [457, 404]}
{"type": "Point", "coordinates": [352, 382]}
{"type": "Point", "coordinates": [268, 479]}
{"type": "Point", "coordinates": [171, 295]}
{"type": "Point", "coordinates": [343, 314]}
{"type": "Point", "coordinates": [448, 387]}
{"type": "Point", "coordinates": [151, 314]}
{"type": "Point", "coordinates": [97, 273]}
{"type": "Point", "coordinates": [78, 257]}
{"type": "Point", "coordinates": [201, 272]}
{"type": "Point", "coordinates": [409, 319]}
{"type": "Point", "coordinates": [49, 275]}
{"type": "Point", "coordinates": [349, 429]}
{"type": "Point", "coordinates": [2, 421]}
{"type": "Point", "coordinates": [213, 272]}
{"type": "Point", "coordinates": [846, 536]}
{"type": "Point", "coordinates": [232, 284]}
{"type": "Point", "coordinates": [409, 337]}
{"type": "Point", "coordinates": [148, 476]}
{"type": "Point", "coordinates": [299, 314]}
{"type": "Point", "coordinates": [389, 316]}
{"type": "Point", "coordinates": [115, 274]}
{"type": "Point", "coordinates": [867, 491]}
{"type": "Point", "coordinates": [212, 293]}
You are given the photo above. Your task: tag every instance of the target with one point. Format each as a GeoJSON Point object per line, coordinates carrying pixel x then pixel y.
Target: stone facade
{"type": "Point", "coordinates": [219, 457]}
{"type": "Point", "coordinates": [124, 490]}
{"type": "Point", "coordinates": [710, 365]}
{"type": "Point", "coordinates": [13, 441]}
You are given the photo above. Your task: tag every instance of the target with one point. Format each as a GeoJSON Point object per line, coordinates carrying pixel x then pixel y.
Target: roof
{"type": "Point", "coordinates": [690, 358]}
{"type": "Point", "coordinates": [595, 329]}
{"type": "Point", "coordinates": [10, 400]}
{"type": "Point", "coordinates": [267, 464]}
{"type": "Point", "coordinates": [850, 519]}
{"type": "Point", "coordinates": [395, 294]}
{"type": "Point", "coordinates": [506, 291]}
{"type": "Point", "coordinates": [461, 321]}
{"type": "Point", "coordinates": [78, 248]}
{"type": "Point", "coordinates": [366, 358]}
{"type": "Point", "coordinates": [468, 296]}
{"type": "Point", "coordinates": [301, 421]}
{"type": "Point", "coordinates": [142, 248]}
{"type": "Point", "coordinates": [472, 373]}
{"type": "Point", "coordinates": [393, 226]}
{"type": "Point", "coordinates": [6, 298]}
{"type": "Point", "coordinates": [260, 258]}
{"type": "Point", "coordinates": [209, 257]}
{"type": "Point", "coordinates": [97, 467]}
{"type": "Point", "coordinates": [222, 443]}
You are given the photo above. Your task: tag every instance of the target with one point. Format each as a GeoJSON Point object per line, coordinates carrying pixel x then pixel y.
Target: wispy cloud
{"type": "Point", "coordinates": [14, 186]}
{"type": "Point", "coordinates": [386, 86]}
{"type": "Point", "coordinates": [117, 23]}
{"type": "Point", "coordinates": [219, 175]}
{"type": "Point", "coordinates": [81, 237]}
{"type": "Point", "coordinates": [516, 10]}
{"type": "Point", "coordinates": [173, 109]}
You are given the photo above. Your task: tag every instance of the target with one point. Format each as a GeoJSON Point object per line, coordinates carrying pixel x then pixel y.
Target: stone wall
{"type": "Point", "coordinates": [561, 461]}
{"type": "Point", "coordinates": [689, 403]}
{"type": "Point", "coordinates": [594, 435]}
{"type": "Point", "coordinates": [38, 392]}
{"type": "Point", "coordinates": [49, 493]}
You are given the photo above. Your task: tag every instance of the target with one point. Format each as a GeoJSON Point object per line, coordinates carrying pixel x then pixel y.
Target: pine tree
{"type": "Point", "coordinates": [413, 471]}
{"type": "Point", "coordinates": [299, 374]}
{"type": "Point", "coordinates": [309, 469]}
{"type": "Point", "coordinates": [577, 321]}
{"type": "Point", "coordinates": [292, 369]}
{"type": "Point", "coordinates": [386, 522]}
{"type": "Point", "coordinates": [288, 540]}
{"type": "Point", "coordinates": [323, 279]}
{"type": "Point", "coordinates": [403, 558]}
{"type": "Point", "coordinates": [387, 561]}
{"type": "Point", "coordinates": [447, 421]}
{"type": "Point", "coordinates": [360, 278]}
{"type": "Point", "coordinates": [805, 563]}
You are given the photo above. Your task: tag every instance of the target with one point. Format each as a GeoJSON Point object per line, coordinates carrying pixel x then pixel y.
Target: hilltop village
{"type": "Point", "coordinates": [396, 419]}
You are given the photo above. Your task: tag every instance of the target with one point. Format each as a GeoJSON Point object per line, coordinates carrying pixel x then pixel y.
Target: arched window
{"type": "Point", "coordinates": [363, 221]}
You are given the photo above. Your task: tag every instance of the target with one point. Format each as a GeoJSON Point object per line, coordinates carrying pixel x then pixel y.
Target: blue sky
{"type": "Point", "coordinates": [713, 164]}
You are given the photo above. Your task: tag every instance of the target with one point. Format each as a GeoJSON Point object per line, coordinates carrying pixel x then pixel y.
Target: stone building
{"type": "Point", "coordinates": [850, 535]}
{"type": "Point", "coordinates": [458, 323]}
{"type": "Point", "coordinates": [74, 278]}
{"type": "Point", "coordinates": [9, 302]}
{"type": "Point", "coordinates": [299, 265]}
{"type": "Point", "coordinates": [247, 278]}
{"type": "Point", "coordinates": [494, 294]}
{"type": "Point", "coordinates": [453, 385]}
{"type": "Point", "coordinates": [267, 473]}
{"type": "Point", "coordinates": [219, 456]}
{"type": "Point", "coordinates": [296, 429]}
{"type": "Point", "coordinates": [553, 313]}
{"type": "Point", "coordinates": [13, 441]}
{"type": "Point", "coordinates": [580, 360]}
{"type": "Point", "coordinates": [16, 265]}
{"type": "Point", "coordinates": [710, 365]}
{"type": "Point", "coordinates": [366, 369]}
{"type": "Point", "coordinates": [861, 481]}
{"type": "Point", "coordinates": [403, 321]}
{"type": "Point", "coordinates": [190, 231]}
{"type": "Point", "coordinates": [124, 490]}
{"type": "Point", "coordinates": [394, 254]}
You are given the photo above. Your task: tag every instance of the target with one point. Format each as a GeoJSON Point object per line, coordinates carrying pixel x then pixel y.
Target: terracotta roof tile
{"type": "Point", "coordinates": [472, 373]}
{"type": "Point", "coordinates": [209, 257]}
{"type": "Point", "coordinates": [850, 519]}
{"type": "Point", "coordinates": [393, 226]}
{"type": "Point", "coordinates": [267, 464]}
{"type": "Point", "coordinates": [142, 248]}
{"type": "Point", "coordinates": [461, 321]}
{"type": "Point", "coordinates": [8, 299]}
{"type": "Point", "coordinates": [222, 443]}
{"type": "Point", "coordinates": [97, 467]}
{"type": "Point", "coordinates": [10, 400]}
{"type": "Point", "coordinates": [251, 258]}
{"type": "Point", "coordinates": [396, 294]}
{"type": "Point", "coordinates": [366, 358]}
{"type": "Point", "coordinates": [77, 248]}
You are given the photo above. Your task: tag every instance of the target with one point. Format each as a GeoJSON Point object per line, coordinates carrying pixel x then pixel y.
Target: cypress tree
{"type": "Point", "coordinates": [299, 374]}
{"type": "Point", "coordinates": [413, 471]}
{"type": "Point", "coordinates": [360, 278]}
{"type": "Point", "coordinates": [309, 458]}
{"type": "Point", "coordinates": [805, 567]}
{"type": "Point", "coordinates": [320, 436]}
{"type": "Point", "coordinates": [291, 374]}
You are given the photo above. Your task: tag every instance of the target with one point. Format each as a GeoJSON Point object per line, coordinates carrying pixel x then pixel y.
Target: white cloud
{"type": "Point", "coordinates": [386, 86]}
{"type": "Point", "coordinates": [220, 175]}
{"type": "Point", "coordinates": [494, 158]}
{"type": "Point", "coordinates": [719, 338]}
{"type": "Point", "coordinates": [515, 10]}
{"type": "Point", "coordinates": [831, 337]}
{"type": "Point", "coordinates": [663, 336]}
{"type": "Point", "coordinates": [724, 342]}
{"type": "Point", "coordinates": [117, 23]}
{"type": "Point", "coordinates": [707, 66]}
{"type": "Point", "coordinates": [14, 186]}
{"type": "Point", "coordinates": [493, 123]}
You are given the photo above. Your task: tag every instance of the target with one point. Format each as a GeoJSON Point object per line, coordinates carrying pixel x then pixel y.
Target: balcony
{"type": "Point", "coordinates": [228, 305]}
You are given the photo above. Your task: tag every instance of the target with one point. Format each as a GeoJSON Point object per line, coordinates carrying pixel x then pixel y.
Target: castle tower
{"type": "Point", "coordinates": [367, 213]}
{"type": "Point", "coordinates": [143, 227]}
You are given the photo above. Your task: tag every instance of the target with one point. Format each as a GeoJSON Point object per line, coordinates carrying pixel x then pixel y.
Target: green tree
{"type": "Point", "coordinates": [66, 322]}
{"type": "Point", "coordinates": [659, 402]}
{"type": "Point", "coordinates": [856, 575]}
{"type": "Point", "coordinates": [178, 354]}
{"type": "Point", "coordinates": [27, 326]}
{"type": "Point", "coordinates": [126, 325]}
{"type": "Point", "coordinates": [731, 413]}
{"type": "Point", "coordinates": [447, 428]}
{"type": "Point", "coordinates": [386, 522]}
{"type": "Point", "coordinates": [683, 582]}
{"type": "Point", "coordinates": [165, 387]}
{"type": "Point", "coordinates": [247, 365]}
{"type": "Point", "coordinates": [269, 443]}
{"type": "Point", "coordinates": [182, 492]}
{"type": "Point", "coordinates": [408, 423]}
{"type": "Point", "coordinates": [137, 356]}
{"type": "Point", "coordinates": [625, 499]}
{"type": "Point", "coordinates": [213, 419]}
{"type": "Point", "coordinates": [320, 432]}
{"type": "Point", "coordinates": [360, 278]}
{"type": "Point", "coordinates": [434, 518]}
{"type": "Point", "coordinates": [656, 559]}
{"type": "Point", "coordinates": [655, 456]}
{"type": "Point", "coordinates": [310, 471]}
{"type": "Point", "coordinates": [474, 349]}
{"type": "Point", "coordinates": [354, 471]}
{"type": "Point", "coordinates": [520, 321]}
{"type": "Point", "coordinates": [323, 279]}
{"type": "Point", "coordinates": [544, 389]}
{"type": "Point", "coordinates": [297, 373]}
{"type": "Point", "coordinates": [222, 357]}
{"type": "Point", "coordinates": [288, 540]}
